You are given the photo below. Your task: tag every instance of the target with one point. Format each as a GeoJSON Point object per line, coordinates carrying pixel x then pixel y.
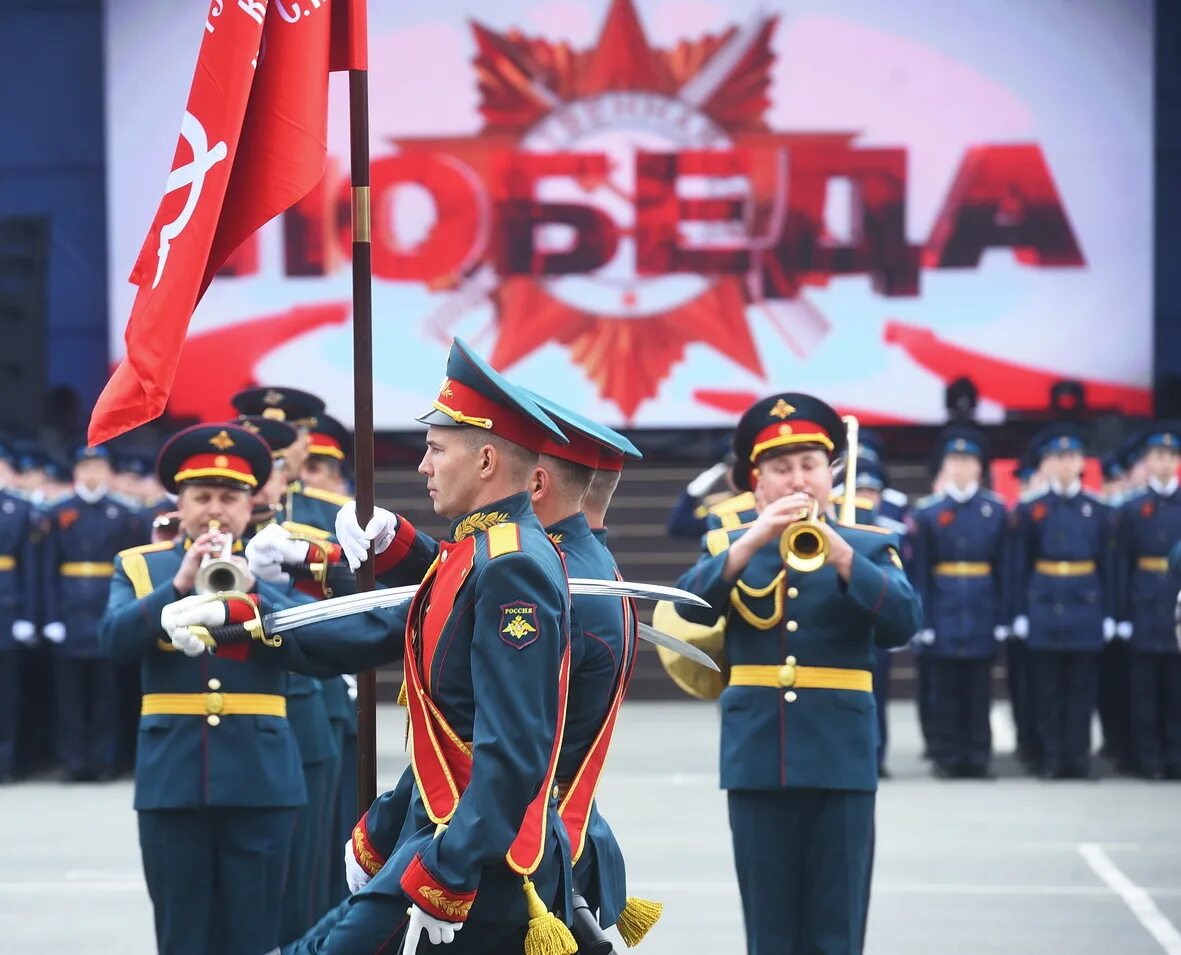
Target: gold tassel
{"type": "Point", "coordinates": [637, 919]}
{"type": "Point", "coordinates": [403, 699]}
{"type": "Point", "coordinates": [547, 934]}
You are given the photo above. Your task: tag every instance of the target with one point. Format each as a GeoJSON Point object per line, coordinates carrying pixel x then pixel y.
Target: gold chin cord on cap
{"type": "Point", "coordinates": [803, 546]}
{"type": "Point", "coordinates": [460, 418]}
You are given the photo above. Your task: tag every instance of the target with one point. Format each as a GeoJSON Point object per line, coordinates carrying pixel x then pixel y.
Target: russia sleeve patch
{"type": "Point", "coordinates": [518, 624]}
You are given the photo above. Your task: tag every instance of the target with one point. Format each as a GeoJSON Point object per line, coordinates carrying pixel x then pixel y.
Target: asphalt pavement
{"type": "Point", "coordinates": [1013, 866]}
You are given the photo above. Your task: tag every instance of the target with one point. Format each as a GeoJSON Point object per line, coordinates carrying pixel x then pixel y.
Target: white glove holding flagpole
{"type": "Point", "coordinates": [354, 541]}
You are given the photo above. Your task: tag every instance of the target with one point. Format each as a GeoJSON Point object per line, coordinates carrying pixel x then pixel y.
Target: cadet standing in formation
{"type": "Point", "coordinates": [1064, 601]}
{"type": "Point", "coordinates": [18, 628]}
{"type": "Point", "coordinates": [800, 648]}
{"type": "Point", "coordinates": [1149, 527]}
{"type": "Point", "coordinates": [85, 530]}
{"type": "Point", "coordinates": [958, 567]}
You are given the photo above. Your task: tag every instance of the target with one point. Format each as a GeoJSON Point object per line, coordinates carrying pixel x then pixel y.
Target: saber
{"type": "Point", "coordinates": [295, 617]}
{"type": "Point", "coordinates": [323, 610]}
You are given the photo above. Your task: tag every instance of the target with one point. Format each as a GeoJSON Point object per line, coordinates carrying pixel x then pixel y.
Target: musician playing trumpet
{"type": "Point", "coordinates": [217, 768]}
{"type": "Point", "coordinates": [803, 599]}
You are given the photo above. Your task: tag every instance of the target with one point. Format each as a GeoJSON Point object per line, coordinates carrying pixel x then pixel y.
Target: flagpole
{"type": "Point", "coordinates": [363, 408]}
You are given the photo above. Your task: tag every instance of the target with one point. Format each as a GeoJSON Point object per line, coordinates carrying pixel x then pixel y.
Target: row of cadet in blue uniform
{"type": "Point", "coordinates": [61, 702]}
{"type": "Point", "coordinates": [1076, 590]}
{"type": "Point", "coordinates": [214, 769]}
{"type": "Point", "coordinates": [57, 547]}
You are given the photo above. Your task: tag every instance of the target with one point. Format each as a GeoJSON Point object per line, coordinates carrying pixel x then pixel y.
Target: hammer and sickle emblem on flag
{"type": "Point", "coordinates": [191, 174]}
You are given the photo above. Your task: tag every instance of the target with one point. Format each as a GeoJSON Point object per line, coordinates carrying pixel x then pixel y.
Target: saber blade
{"type": "Point", "coordinates": [669, 642]}
{"type": "Point", "coordinates": [336, 607]}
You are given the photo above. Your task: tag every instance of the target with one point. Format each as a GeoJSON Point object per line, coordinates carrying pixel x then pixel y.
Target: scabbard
{"type": "Point", "coordinates": [587, 932]}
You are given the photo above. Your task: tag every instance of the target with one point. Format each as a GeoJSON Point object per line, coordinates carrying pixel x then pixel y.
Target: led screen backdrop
{"type": "Point", "coordinates": [655, 211]}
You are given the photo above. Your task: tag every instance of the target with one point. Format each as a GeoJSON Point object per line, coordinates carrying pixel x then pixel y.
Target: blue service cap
{"type": "Point", "coordinates": [86, 453]}
{"type": "Point", "coordinates": [476, 394]}
{"type": "Point", "coordinates": [961, 439]}
{"type": "Point", "coordinates": [871, 476]}
{"type": "Point", "coordinates": [1163, 435]}
{"type": "Point", "coordinates": [1060, 439]}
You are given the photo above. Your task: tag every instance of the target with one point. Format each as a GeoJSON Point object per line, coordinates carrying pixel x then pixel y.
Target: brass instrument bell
{"type": "Point", "coordinates": [803, 546]}
{"type": "Point", "coordinates": [218, 574]}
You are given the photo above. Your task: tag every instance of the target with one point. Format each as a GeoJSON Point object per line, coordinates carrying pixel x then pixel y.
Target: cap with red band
{"type": "Point", "coordinates": [784, 421]}
{"type": "Point", "coordinates": [220, 454]}
{"type": "Point", "coordinates": [590, 442]}
{"type": "Point", "coordinates": [476, 395]}
{"type": "Point", "coordinates": [328, 438]}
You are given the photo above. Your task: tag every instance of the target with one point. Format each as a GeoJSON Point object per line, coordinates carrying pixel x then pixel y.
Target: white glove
{"type": "Point", "coordinates": [1108, 629]}
{"type": "Point", "coordinates": [1123, 629]}
{"type": "Point", "coordinates": [706, 479]}
{"type": "Point", "coordinates": [1001, 634]}
{"type": "Point", "coordinates": [437, 931]}
{"type": "Point", "coordinates": [1021, 627]}
{"type": "Point", "coordinates": [271, 547]}
{"type": "Point", "coordinates": [354, 875]}
{"type": "Point", "coordinates": [350, 681]}
{"type": "Point", "coordinates": [194, 611]}
{"type": "Point", "coordinates": [926, 637]}
{"type": "Point", "coordinates": [355, 542]}
{"type": "Point", "coordinates": [54, 632]}
{"type": "Point", "coordinates": [23, 631]}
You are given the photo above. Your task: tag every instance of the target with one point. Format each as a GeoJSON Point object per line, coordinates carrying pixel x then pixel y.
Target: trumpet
{"type": "Point", "coordinates": [218, 574]}
{"type": "Point", "coordinates": [803, 546]}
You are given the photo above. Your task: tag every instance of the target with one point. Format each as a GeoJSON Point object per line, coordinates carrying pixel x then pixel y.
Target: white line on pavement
{"type": "Point", "coordinates": [922, 888]}
{"type": "Point", "coordinates": [1135, 898]}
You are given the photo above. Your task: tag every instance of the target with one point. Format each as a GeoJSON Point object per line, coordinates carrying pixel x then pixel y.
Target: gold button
{"type": "Point", "coordinates": [792, 626]}
{"type": "Point", "coordinates": [557, 793]}
{"type": "Point", "coordinates": [793, 592]}
{"type": "Point", "coordinates": [787, 673]}
{"type": "Point", "coordinates": [790, 661]}
{"type": "Point", "coordinates": [790, 696]}
{"type": "Point", "coordinates": [214, 704]}
{"type": "Point", "coordinates": [213, 719]}
{"type": "Point", "coordinates": [215, 684]}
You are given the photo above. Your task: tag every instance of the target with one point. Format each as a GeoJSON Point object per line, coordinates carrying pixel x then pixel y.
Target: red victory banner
{"type": "Point", "coordinates": [252, 143]}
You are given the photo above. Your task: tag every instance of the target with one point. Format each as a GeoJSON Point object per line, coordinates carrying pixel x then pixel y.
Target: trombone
{"type": "Point", "coordinates": [803, 546]}
{"type": "Point", "coordinates": [218, 574]}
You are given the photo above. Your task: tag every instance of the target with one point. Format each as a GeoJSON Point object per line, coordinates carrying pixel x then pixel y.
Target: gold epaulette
{"type": "Point", "coordinates": [732, 505]}
{"type": "Point", "coordinates": [306, 530]}
{"type": "Point", "coordinates": [717, 540]}
{"type": "Point", "coordinates": [503, 539]}
{"type": "Point", "coordinates": [147, 548]}
{"type": "Point", "coordinates": [330, 496]}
